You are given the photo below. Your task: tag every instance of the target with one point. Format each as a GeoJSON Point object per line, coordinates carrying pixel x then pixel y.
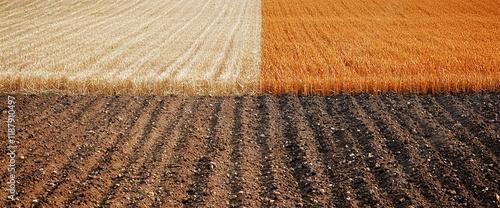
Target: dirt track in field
{"type": "Point", "coordinates": [339, 151]}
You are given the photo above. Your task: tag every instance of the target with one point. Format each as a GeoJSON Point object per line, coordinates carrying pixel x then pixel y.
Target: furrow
{"type": "Point", "coordinates": [137, 184]}
{"type": "Point", "coordinates": [218, 183]}
{"type": "Point", "coordinates": [269, 194]}
{"type": "Point", "coordinates": [198, 191]}
{"type": "Point", "coordinates": [482, 130]}
{"type": "Point", "coordinates": [361, 150]}
{"type": "Point", "coordinates": [133, 180]}
{"type": "Point", "coordinates": [308, 171]}
{"type": "Point", "coordinates": [174, 133]}
{"type": "Point", "coordinates": [147, 178]}
{"type": "Point", "coordinates": [92, 184]}
{"type": "Point", "coordinates": [27, 111]}
{"type": "Point", "coordinates": [487, 105]}
{"type": "Point", "coordinates": [57, 175]}
{"type": "Point", "coordinates": [71, 173]}
{"type": "Point", "coordinates": [284, 188]}
{"type": "Point", "coordinates": [43, 154]}
{"type": "Point", "coordinates": [363, 182]}
{"type": "Point", "coordinates": [120, 171]}
{"type": "Point", "coordinates": [249, 163]}
{"type": "Point", "coordinates": [380, 162]}
{"type": "Point", "coordinates": [331, 150]}
{"type": "Point", "coordinates": [441, 157]}
{"type": "Point", "coordinates": [236, 155]}
{"type": "Point", "coordinates": [402, 111]}
{"type": "Point", "coordinates": [405, 143]}
{"type": "Point", "coordinates": [31, 134]}
{"type": "Point", "coordinates": [192, 136]}
{"type": "Point", "coordinates": [395, 141]}
{"type": "Point", "coordinates": [465, 154]}
{"type": "Point", "coordinates": [83, 108]}
{"type": "Point", "coordinates": [106, 138]}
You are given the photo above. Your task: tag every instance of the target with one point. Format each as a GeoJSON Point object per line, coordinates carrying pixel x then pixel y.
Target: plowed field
{"type": "Point", "coordinates": [344, 150]}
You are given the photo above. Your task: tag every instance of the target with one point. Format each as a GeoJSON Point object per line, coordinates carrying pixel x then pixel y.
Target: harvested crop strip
{"type": "Point", "coordinates": [320, 46]}
{"type": "Point", "coordinates": [137, 47]}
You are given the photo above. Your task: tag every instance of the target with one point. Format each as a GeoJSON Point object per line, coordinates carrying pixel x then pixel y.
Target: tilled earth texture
{"type": "Point", "coordinates": [359, 150]}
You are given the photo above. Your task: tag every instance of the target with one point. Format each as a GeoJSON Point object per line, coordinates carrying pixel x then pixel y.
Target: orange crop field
{"type": "Point", "coordinates": [325, 46]}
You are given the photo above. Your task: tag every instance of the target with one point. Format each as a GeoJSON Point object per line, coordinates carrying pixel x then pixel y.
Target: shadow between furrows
{"type": "Point", "coordinates": [442, 156]}
{"type": "Point", "coordinates": [112, 190]}
{"type": "Point", "coordinates": [386, 176]}
{"type": "Point", "coordinates": [365, 183]}
{"type": "Point", "coordinates": [175, 133]}
{"type": "Point", "coordinates": [475, 124]}
{"type": "Point", "coordinates": [331, 149]}
{"type": "Point", "coordinates": [299, 164]}
{"type": "Point", "coordinates": [403, 143]}
{"type": "Point", "coordinates": [80, 152]}
{"type": "Point", "coordinates": [236, 144]}
{"type": "Point", "coordinates": [460, 148]}
{"type": "Point", "coordinates": [198, 190]}
{"type": "Point", "coordinates": [144, 171]}
{"type": "Point", "coordinates": [389, 144]}
{"type": "Point", "coordinates": [266, 172]}
{"type": "Point", "coordinates": [34, 141]}
{"type": "Point", "coordinates": [108, 152]}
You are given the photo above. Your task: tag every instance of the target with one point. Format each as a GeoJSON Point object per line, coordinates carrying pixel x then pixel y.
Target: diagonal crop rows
{"type": "Point", "coordinates": [138, 47]}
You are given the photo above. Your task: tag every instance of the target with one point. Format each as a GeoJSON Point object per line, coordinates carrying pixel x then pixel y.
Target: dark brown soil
{"type": "Point", "coordinates": [344, 150]}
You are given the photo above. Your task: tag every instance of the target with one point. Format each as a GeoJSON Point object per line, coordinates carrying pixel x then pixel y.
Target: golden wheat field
{"type": "Point", "coordinates": [377, 46]}
{"type": "Point", "coordinates": [138, 47]}
{"type": "Point", "coordinates": [224, 47]}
